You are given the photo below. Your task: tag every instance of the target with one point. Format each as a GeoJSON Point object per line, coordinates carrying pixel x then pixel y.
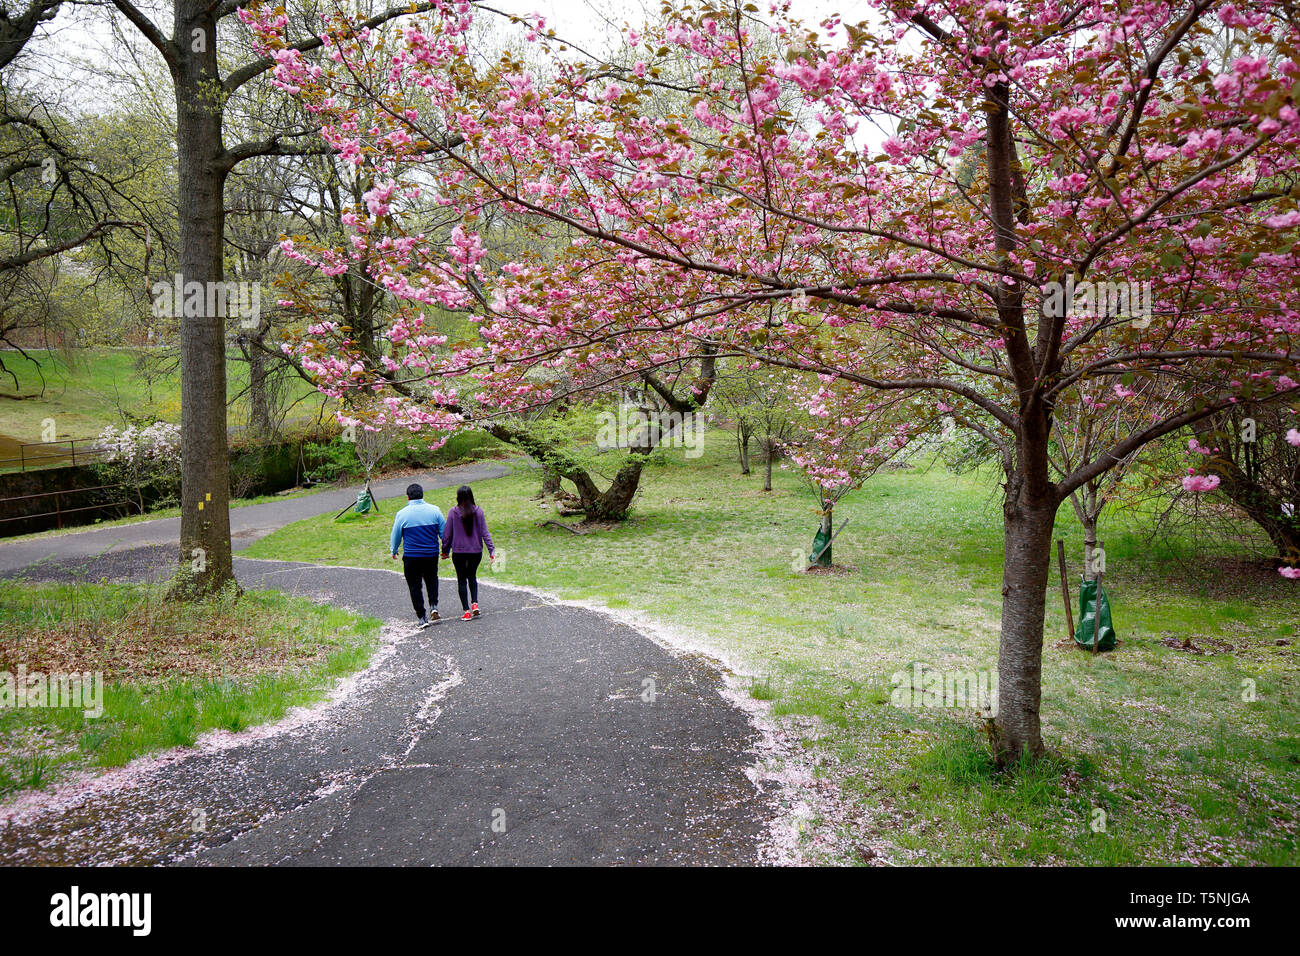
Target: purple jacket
{"type": "Point", "coordinates": [455, 538]}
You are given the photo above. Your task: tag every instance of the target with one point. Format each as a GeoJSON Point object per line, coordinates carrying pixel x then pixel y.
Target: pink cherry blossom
{"type": "Point", "coordinates": [1200, 483]}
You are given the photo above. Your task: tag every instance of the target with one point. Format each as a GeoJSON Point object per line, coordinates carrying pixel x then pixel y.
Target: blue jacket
{"type": "Point", "coordinates": [418, 529]}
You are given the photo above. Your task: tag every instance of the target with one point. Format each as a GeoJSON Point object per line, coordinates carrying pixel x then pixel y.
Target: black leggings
{"type": "Point", "coordinates": [467, 573]}
{"type": "Point", "coordinates": [421, 571]}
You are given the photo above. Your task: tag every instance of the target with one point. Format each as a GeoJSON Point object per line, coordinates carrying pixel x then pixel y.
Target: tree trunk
{"type": "Point", "coordinates": [205, 464]}
{"type": "Point", "coordinates": [1260, 504]}
{"type": "Point", "coordinates": [612, 504]}
{"type": "Point", "coordinates": [828, 529]}
{"type": "Point", "coordinates": [550, 483]}
{"type": "Point", "coordinates": [742, 440]}
{"type": "Point", "coordinates": [1084, 502]}
{"type": "Point", "coordinates": [615, 501]}
{"type": "Point", "coordinates": [258, 396]}
{"type": "Point", "coordinates": [1031, 499]}
{"type": "Point", "coordinates": [1089, 547]}
{"type": "Point", "coordinates": [357, 291]}
{"type": "Point", "coordinates": [767, 474]}
{"type": "Point", "coordinates": [1027, 532]}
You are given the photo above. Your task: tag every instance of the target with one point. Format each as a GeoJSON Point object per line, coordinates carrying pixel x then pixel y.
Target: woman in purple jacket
{"type": "Point", "coordinates": [465, 534]}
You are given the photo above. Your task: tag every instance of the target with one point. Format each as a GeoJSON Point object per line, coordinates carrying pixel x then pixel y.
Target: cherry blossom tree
{"type": "Point", "coordinates": [851, 433]}
{"type": "Point", "coordinates": [1099, 418]}
{"type": "Point", "coordinates": [821, 165]}
{"type": "Point", "coordinates": [1250, 455]}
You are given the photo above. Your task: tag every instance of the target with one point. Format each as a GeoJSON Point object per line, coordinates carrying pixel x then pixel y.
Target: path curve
{"type": "Point", "coordinates": [523, 737]}
{"type": "Point", "coordinates": [247, 523]}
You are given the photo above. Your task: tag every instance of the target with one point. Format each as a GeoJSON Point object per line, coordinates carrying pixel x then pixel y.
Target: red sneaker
{"type": "Point", "coordinates": [474, 608]}
{"type": "Point", "coordinates": [467, 616]}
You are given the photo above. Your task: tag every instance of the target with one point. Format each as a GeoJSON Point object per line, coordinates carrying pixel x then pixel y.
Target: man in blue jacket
{"type": "Point", "coordinates": [418, 530]}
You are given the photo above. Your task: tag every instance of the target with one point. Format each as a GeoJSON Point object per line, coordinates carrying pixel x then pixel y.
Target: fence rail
{"type": "Point", "coordinates": [31, 461]}
{"type": "Point", "coordinates": [60, 511]}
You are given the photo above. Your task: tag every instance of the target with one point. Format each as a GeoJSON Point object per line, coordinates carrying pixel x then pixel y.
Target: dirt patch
{"type": "Point", "coordinates": [835, 570]}
{"type": "Point", "coordinates": [143, 636]}
{"type": "Point", "coordinates": [125, 653]}
{"type": "Point", "coordinates": [1202, 645]}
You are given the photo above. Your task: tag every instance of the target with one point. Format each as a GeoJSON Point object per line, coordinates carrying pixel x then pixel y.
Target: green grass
{"type": "Point", "coordinates": [172, 670]}
{"type": "Point", "coordinates": [84, 388]}
{"type": "Point", "coordinates": [1157, 738]}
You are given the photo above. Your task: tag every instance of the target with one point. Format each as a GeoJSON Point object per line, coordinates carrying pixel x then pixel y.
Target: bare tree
{"type": "Point", "coordinates": [203, 87]}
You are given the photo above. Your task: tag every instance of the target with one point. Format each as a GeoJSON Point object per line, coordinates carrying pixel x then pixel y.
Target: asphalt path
{"type": "Point", "coordinates": [539, 733]}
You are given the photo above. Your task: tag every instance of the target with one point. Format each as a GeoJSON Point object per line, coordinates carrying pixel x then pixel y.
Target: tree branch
{"type": "Point", "coordinates": [151, 32]}
{"type": "Point", "coordinates": [252, 70]}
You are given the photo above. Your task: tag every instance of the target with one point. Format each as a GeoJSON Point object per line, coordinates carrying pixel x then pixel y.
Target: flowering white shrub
{"type": "Point", "coordinates": [146, 459]}
{"type": "Point", "coordinates": [159, 442]}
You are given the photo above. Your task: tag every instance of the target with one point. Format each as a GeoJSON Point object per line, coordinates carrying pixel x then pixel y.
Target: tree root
{"type": "Point", "coordinates": [566, 527]}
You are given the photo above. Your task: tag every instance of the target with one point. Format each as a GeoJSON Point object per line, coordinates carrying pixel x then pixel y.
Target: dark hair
{"type": "Point", "coordinates": [465, 502]}
{"type": "Point", "coordinates": [414, 491]}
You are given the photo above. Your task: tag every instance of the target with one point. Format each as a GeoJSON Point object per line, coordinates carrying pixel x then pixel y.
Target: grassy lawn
{"type": "Point", "coordinates": [83, 392]}
{"type": "Point", "coordinates": [171, 670]}
{"type": "Point", "coordinates": [1155, 735]}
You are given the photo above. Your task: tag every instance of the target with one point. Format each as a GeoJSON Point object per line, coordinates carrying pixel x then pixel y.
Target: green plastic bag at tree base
{"type": "Point", "coordinates": [819, 543]}
{"type": "Point", "coordinates": [1087, 607]}
{"type": "Point", "coordinates": [363, 502]}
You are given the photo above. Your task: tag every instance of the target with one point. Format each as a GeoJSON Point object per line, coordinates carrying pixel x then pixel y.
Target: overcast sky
{"type": "Point", "coordinates": [590, 18]}
{"type": "Point", "coordinates": [85, 35]}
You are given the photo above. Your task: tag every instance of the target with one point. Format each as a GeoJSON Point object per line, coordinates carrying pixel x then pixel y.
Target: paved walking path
{"type": "Point", "coordinates": [247, 523]}
{"type": "Point", "coordinates": [522, 737]}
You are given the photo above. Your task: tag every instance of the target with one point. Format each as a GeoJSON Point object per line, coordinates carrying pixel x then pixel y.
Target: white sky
{"type": "Point", "coordinates": [588, 18]}
{"type": "Point", "coordinates": [92, 69]}
{"type": "Point", "coordinates": [81, 40]}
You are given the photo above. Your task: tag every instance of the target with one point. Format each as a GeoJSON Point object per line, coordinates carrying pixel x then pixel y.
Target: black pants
{"type": "Point", "coordinates": [421, 570]}
{"type": "Point", "coordinates": [467, 574]}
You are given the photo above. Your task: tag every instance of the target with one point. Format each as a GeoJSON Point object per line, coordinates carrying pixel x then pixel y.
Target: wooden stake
{"type": "Point", "coordinates": [1096, 610]}
{"type": "Point", "coordinates": [1065, 586]}
{"type": "Point", "coordinates": [373, 503]}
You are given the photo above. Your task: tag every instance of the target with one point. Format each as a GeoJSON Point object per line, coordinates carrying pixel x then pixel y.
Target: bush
{"type": "Point", "coordinates": [412, 450]}
{"type": "Point", "coordinates": [329, 461]}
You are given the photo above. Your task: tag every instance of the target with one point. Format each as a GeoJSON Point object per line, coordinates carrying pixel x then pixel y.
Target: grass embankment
{"type": "Point", "coordinates": [171, 670]}
{"type": "Point", "coordinates": [1156, 735]}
